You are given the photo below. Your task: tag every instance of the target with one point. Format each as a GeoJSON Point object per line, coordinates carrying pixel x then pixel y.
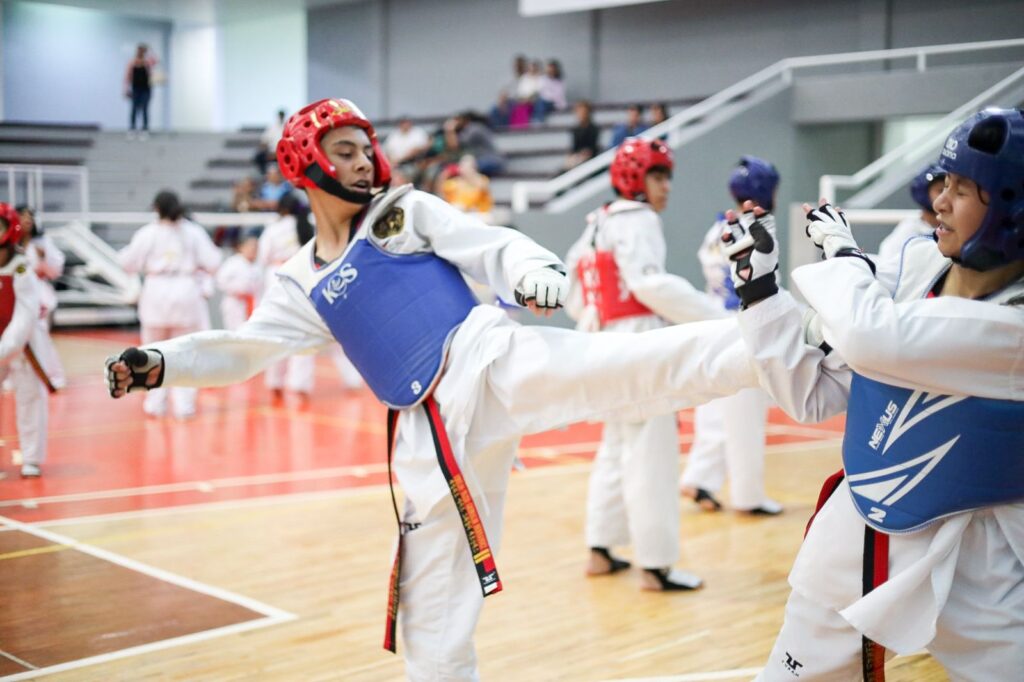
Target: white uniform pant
{"type": "Point", "coordinates": [729, 437]}
{"type": "Point", "coordinates": [632, 492]}
{"type": "Point", "coordinates": [46, 353]}
{"type": "Point", "coordinates": [296, 373]}
{"type": "Point", "coordinates": [545, 378]}
{"type": "Point", "coordinates": [31, 409]}
{"type": "Point", "coordinates": [184, 398]}
{"type": "Point", "coordinates": [979, 631]}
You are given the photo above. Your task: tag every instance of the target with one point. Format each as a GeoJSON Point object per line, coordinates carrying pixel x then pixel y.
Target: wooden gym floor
{"type": "Point", "coordinates": [253, 543]}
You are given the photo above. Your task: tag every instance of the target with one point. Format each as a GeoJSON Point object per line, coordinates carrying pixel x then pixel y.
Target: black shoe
{"type": "Point", "coordinates": [614, 564]}
{"type": "Point", "coordinates": [674, 580]}
{"type": "Point", "coordinates": [704, 496]}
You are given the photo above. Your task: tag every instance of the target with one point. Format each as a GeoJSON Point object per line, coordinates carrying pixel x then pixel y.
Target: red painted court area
{"type": "Point", "coordinates": [106, 457]}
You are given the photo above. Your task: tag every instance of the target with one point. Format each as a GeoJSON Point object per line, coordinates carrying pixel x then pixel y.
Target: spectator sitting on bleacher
{"type": "Point", "coordinates": [631, 128]}
{"type": "Point", "coordinates": [268, 142]}
{"type": "Point", "coordinates": [584, 137]}
{"type": "Point", "coordinates": [551, 94]}
{"type": "Point", "coordinates": [406, 143]}
{"type": "Point", "coordinates": [659, 113]}
{"type": "Point", "coordinates": [467, 189]}
{"type": "Point", "coordinates": [244, 195]}
{"type": "Point", "coordinates": [468, 133]}
{"type": "Point", "coordinates": [272, 190]}
{"type": "Point", "coordinates": [501, 112]}
{"type": "Point", "coordinates": [527, 88]}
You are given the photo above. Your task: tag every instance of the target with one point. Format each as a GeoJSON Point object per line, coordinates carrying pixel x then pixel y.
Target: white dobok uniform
{"type": "Point", "coordinates": [172, 256]}
{"type": "Point", "coordinates": [955, 587]}
{"type": "Point", "coordinates": [240, 282]}
{"type": "Point", "coordinates": [500, 380]}
{"type": "Point", "coordinates": [20, 294]}
{"type": "Point", "coordinates": [729, 432]}
{"type": "Point", "coordinates": [48, 266]}
{"type": "Point", "coordinates": [632, 494]}
{"type": "Point", "coordinates": [914, 226]}
{"type": "Point", "coordinates": [278, 242]}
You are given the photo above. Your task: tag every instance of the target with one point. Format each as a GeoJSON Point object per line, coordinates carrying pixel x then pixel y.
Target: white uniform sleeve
{"type": "Point", "coordinates": [945, 345]}
{"type": "Point", "coordinates": [806, 384]}
{"type": "Point", "coordinates": [25, 317]}
{"type": "Point", "coordinates": [133, 257]}
{"type": "Point", "coordinates": [574, 303]}
{"type": "Point", "coordinates": [639, 248]}
{"type": "Point", "coordinates": [283, 323]}
{"type": "Point", "coordinates": [51, 265]}
{"type": "Point", "coordinates": [496, 256]}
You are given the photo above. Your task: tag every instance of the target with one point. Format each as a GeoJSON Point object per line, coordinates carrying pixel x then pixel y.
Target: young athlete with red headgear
{"type": "Point", "coordinates": [919, 541]}
{"type": "Point", "coordinates": [384, 278]}
{"type": "Point", "coordinates": [620, 285]}
{"type": "Point", "coordinates": [20, 308]}
{"type": "Point", "coordinates": [728, 434]}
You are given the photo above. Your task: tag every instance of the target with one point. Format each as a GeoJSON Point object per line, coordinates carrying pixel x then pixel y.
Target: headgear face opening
{"type": "Point", "coordinates": [302, 160]}
{"type": "Point", "coordinates": [988, 148]}
{"type": "Point", "coordinates": [634, 159]}
{"type": "Point", "coordinates": [754, 179]}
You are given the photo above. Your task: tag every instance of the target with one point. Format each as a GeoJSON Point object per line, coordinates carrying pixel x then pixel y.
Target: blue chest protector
{"type": "Point", "coordinates": [912, 457]}
{"type": "Point", "coordinates": [394, 315]}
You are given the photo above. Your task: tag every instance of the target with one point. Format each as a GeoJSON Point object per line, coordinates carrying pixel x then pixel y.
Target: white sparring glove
{"type": "Point", "coordinates": [546, 287]}
{"type": "Point", "coordinates": [830, 231]}
{"type": "Point", "coordinates": [140, 362]}
{"type": "Point", "coordinates": [751, 245]}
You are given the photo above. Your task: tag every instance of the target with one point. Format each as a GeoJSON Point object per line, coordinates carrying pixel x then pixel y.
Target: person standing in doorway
{"type": "Point", "coordinates": [138, 86]}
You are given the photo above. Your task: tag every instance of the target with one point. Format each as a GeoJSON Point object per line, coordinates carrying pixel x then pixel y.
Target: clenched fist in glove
{"type": "Point", "coordinates": [543, 290]}
{"type": "Point", "coordinates": [830, 231]}
{"type": "Point", "coordinates": [751, 245]}
{"type": "Point", "coordinates": [135, 368]}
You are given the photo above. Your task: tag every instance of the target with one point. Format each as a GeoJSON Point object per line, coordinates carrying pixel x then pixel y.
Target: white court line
{"type": "Point", "coordinates": [287, 498]}
{"type": "Point", "coordinates": [147, 648]}
{"type": "Point", "coordinates": [746, 673]}
{"type": "Point", "coordinates": [668, 645]}
{"type": "Point", "coordinates": [357, 471]}
{"type": "Point", "coordinates": [273, 614]}
{"type": "Point", "coordinates": [23, 664]}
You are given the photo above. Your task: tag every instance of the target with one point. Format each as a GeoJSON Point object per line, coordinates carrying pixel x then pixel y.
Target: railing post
{"type": "Point", "coordinates": [787, 76]}
{"type": "Point", "coordinates": [84, 189]}
{"type": "Point", "coordinates": [520, 197]}
{"type": "Point", "coordinates": [922, 62]}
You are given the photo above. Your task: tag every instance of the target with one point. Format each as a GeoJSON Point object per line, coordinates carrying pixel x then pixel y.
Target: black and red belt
{"type": "Point", "coordinates": [480, 548]}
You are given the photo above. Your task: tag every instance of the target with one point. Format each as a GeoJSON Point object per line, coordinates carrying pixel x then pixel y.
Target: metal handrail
{"type": "Point", "coordinates": [34, 187]}
{"type": "Point", "coordinates": [783, 69]}
{"type": "Point", "coordinates": [916, 148]}
{"type": "Point", "coordinates": [142, 217]}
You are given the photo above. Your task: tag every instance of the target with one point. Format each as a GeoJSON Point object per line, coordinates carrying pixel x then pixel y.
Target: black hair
{"type": "Point", "coordinates": [292, 205]}
{"type": "Point", "coordinates": [558, 68]}
{"type": "Point", "coordinates": [168, 205]}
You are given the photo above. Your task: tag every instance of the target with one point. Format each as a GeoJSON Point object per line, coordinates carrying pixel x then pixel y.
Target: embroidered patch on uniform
{"type": "Point", "coordinates": [21, 269]}
{"type": "Point", "coordinates": [389, 224]}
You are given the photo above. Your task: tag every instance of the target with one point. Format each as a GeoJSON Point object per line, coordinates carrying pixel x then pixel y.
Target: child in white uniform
{"type": "Point", "coordinates": [240, 280]}
{"type": "Point", "coordinates": [20, 308]}
{"type": "Point", "coordinates": [172, 254]}
{"type": "Point", "coordinates": [729, 433]}
{"type": "Point", "coordinates": [384, 278]}
{"type": "Point", "coordinates": [48, 263]}
{"type": "Point", "coordinates": [621, 286]}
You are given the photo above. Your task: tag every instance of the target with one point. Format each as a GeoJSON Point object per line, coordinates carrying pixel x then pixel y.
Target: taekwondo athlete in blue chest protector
{"type": "Point", "coordinates": [919, 541]}
{"type": "Point", "coordinates": [384, 278]}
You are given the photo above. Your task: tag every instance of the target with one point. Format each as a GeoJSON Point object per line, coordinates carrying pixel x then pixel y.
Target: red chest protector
{"type": "Point", "coordinates": [603, 287]}
{"type": "Point", "coordinates": [6, 301]}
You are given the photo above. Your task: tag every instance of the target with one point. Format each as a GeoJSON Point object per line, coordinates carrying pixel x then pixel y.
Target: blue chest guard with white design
{"type": "Point", "coordinates": [394, 315]}
{"type": "Point", "coordinates": [912, 457]}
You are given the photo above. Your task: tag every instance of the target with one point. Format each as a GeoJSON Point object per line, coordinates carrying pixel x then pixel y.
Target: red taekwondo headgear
{"type": "Point", "coordinates": [12, 235]}
{"type": "Point", "coordinates": [633, 160]}
{"type": "Point", "coordinates": [302, 160]}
